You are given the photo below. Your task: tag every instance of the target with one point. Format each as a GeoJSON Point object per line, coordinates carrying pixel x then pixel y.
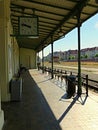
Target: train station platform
{"type": "Point", "coordinates": [44, 107]}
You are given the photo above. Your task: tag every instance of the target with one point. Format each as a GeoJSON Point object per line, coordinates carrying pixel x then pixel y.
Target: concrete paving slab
{"type": "Point", "coordinates": [72, 114]}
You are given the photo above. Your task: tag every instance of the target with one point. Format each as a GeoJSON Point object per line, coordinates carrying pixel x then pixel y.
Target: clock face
{"type": "Point", "coordinates": [28, 26]}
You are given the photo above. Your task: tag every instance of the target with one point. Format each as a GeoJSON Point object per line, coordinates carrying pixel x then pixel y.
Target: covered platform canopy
{"type": "Point", "coordinates": [56, 18]}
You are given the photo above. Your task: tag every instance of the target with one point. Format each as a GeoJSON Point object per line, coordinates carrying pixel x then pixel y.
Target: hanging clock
{"type": "Point", "coordinates": [28, 26]}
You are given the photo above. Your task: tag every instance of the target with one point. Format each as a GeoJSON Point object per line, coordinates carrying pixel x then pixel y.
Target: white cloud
{"type": "Point", "coordinates": [96, 25]}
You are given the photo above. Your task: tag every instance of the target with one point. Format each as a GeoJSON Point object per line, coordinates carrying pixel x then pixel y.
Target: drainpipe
{"type": "Point", "coordinates": [79, 53]}
{"type": "Point", "coordinates": [52, 57]}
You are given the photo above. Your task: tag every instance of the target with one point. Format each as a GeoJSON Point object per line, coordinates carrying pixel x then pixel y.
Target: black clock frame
{"type": "Point", "coordinates": [19, 26]}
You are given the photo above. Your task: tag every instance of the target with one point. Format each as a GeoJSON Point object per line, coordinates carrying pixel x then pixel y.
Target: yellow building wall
{"type": "Point", "coordinates": [28, 58]}
{"type": "Point", "coordinates": [1, 114]}
{"type": "Point", "coordinates": [4, 40]}
{"type": "Point", "coordinates": [14, 57]}
{"type": "Point", "coordinates": [9, 53]}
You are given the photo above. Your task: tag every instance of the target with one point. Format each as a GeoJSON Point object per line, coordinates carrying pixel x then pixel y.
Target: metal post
{"type": "Point", "coordinates": [38, 62]}
{"type": "Point", "coordinates": [87, 85]}
{"type": "Point", "coordinates": [42, 61]}
{"type": "Point", "coordinates": [38, 57]}
{"type": "Point", "coordinates": [52, 57]}
{"type": "Point", "coordinates": [79, 55]}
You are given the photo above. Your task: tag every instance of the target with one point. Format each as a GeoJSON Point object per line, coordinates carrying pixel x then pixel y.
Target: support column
{"type": "Point", "coordinates": [43, 60]}
{"type": "Point", "coordinates": [79, 54]}
{"type": "Point", "coordinates": [38, 61]}
{"type": "Point", "coordinates": [38, 57]}
{"type": "Point", "coordinates": [52, 57]}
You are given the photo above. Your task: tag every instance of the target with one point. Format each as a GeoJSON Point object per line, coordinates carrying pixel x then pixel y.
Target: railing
{"type": "Point", "coordinates": [91, 84]}
{"type": "Point", "coordinates": [86, 82]}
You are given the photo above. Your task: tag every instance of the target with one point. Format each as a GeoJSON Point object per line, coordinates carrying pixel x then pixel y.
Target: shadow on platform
{"type": "Point", "coordinates": [81, 99]}
{"type": "Point", "coordinates": [32, 112]}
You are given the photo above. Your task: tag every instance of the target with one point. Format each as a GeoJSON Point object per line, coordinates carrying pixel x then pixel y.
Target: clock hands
{"type": "Point", "coordinates": [28, 26]}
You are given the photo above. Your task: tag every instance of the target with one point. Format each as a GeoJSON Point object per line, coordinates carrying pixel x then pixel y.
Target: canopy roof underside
{"type": "Point", "coordinates": [53, 16]}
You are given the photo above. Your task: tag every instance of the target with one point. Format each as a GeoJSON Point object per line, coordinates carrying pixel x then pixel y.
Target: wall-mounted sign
{"type": "Point", "coordinates": [28, 26]}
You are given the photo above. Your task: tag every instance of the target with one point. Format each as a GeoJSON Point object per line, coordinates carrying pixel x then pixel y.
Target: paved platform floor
{"type": "Point", "coordinates": [44, 107]}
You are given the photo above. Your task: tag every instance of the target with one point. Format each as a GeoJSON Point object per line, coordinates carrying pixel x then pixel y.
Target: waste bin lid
{"type": "Point", "coordinates": [72, 77]}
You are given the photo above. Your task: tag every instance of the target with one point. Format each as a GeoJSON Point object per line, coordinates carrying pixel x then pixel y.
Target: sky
{"type": "Point", "coordinates": [89, 38]}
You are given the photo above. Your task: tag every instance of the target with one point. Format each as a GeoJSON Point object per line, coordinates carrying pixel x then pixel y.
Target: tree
{"type": "Point", "coordinates": [69, 57]}
{"type": "Point", "coordinates": [86, 56]}
{"type": "Point", "coordinates": [96, 55]}
{"type": "Point", "coordinates": [82, 56]}
{"type": "Point", "coordinates": [73, 57]}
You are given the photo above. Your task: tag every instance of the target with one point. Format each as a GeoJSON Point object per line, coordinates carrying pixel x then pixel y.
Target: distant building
{"type": "Point", "coordinates": [56, 58]}
{"type": "Point", "coordinates": [89, 53]}
{"type": "Point", "coordinates": [72, 55]}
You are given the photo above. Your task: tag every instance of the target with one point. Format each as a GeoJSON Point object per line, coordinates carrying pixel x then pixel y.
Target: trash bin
{"type": "Point", "coordinates": [16, 89]}
{"type": "Point", "coordinates": [71, 87]}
